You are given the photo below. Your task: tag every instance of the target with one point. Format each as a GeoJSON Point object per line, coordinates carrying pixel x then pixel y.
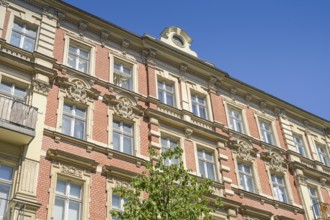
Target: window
{"type": "Point", "coordinates": [168, 144]}
{"type": "Point", "coordinates": [279, 188]}
{"type": "Point", "coordinates": [123, 76]}
{"type": "Point", "coordinates": [166, 93]}
{"type": "Point", "coordinates": [12, 90]}
{"type": "Point", "coordinates": [236, 120]}
{"type": "Point", "coordinates": [299, 143]}
{"type": "Point", "coordinates": [266, 130]}
{"type": "Point", "coordinates": [323, 154]}
{"type": "Point", "coordinates": [117, 204]}
{"type": "Point", "coordinates": [314, 200]}
{"type": "Point", "coordinates": [23, 37]}
{"type": "Point", "coordinates": [67, 201]}
{"type": "Point", "coordinates": [246, 177]}
{"type": "Point", "coordinates": [206, 164]}
{"type": "Point", "coordinates": [6, 175]}
{"type": "Point", "coordinates": [74, 121]}
{"type": "Point", "coordinates": [122, 137]}
{"type": "Point", "coordinates": [199, 106]}
{"type": "Point", "coordinates": [79, 57]}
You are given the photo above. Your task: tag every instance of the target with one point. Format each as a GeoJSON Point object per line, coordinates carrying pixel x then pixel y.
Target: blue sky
{"type": "Point", "coordinates": [281, 47]}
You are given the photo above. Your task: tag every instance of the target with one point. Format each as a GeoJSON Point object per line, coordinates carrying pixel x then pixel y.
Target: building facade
{"type": "Point", "coordinates": [82, 100]}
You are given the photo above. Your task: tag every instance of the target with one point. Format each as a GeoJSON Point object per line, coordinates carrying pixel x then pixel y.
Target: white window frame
{"type": "Point", "coordinates": [121, 134]}
{"type": "Point", "coordinates": [118, 75]}
{"type": "Point", "coordinates": [315, 209]}
{"type": "Point", "coordinates": [8, 183]}
{"type": "Point", "coordinates": [272, 131]}
{"type": "Point", "coordinates": [73, 118]}
{"type": "Point", "coordinates": [77, 55]}
{"type": "Point", "coordinates": [162, 89]}
{"type": "Point", "coordinates": [233, 121]}
{"type": "Point", "coordinates": [198, 105]}
{"type": "Point", "coordinates": [67, 198]}
{"type": "Point", "coordinates": [13, 86]}
{"type": "Point", "coordinates": [276, 186]}
{"type": "Point", "coordinates": [205, 161]}
{"type": "Point", "coordinates": [244, 175]}
{"type": "Point", "coordinates": [323, 156]}
{"type": "Point", "coordinates": [168, 147]}
{"type": "Point", "coordinates": [125, 60]}
{"type": "Point", "coordinates": [80, 43]}
{"type": "Point", "coordinates": [23, 34]}
{"type": "Point", "coordinates": [300, 145]}
{"type": "Point", "coordinates": [121, 208]}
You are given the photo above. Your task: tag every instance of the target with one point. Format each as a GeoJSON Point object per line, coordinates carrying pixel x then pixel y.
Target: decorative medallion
{"type": "Point", "coordinates": [276, 162]}
{"type": "Point", "coordinates": [124, 108]}
{"type": "Point", "coordinates": [244, 150]}
{"type": "Point", "coordinates": [77, 91]}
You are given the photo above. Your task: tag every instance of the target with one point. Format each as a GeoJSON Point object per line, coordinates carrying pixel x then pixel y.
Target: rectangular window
{"type": "Point", "coordinates": [314, 200]}
{"type": "Point", "coordinates": [299, 143]}
{"type": "Point", "coordinates": [323, 154]}
{"type": "Point", "coordinates": [79, 57]}
{"type": "Point", "coordinates": [117, 204]}
{"type": "Point", "coordinates": [67, 201]}
{"type": "Point", "coordinates": [122, 76]}
{"type": "Point", "coordinates": [169, 144]}
{"type": "Point", "coordinates": [74, 121]}
{"type": "Point", "coordinates": [166, 93]}
{"type": "Point", "coordinates": [23, 37]}
{"type": "Point", "coordinates": [236, 120]}
{"type": "Point", "coordinates": [122, 137]}
{"type": "Point", "coordinates": [199, 106]}
{"type": "Point", "coordinates": [279, 188]}
{"type": "Point", "coordinates": [12, 90]}
{"type": "Point", "coordinates": [246, 177]}
{"type": "Point", "coordinates": [206, 164]}
{"type": "Point", "coordinates": [6, 176]}
{"type": "Point", "coordinates": [266, 130]}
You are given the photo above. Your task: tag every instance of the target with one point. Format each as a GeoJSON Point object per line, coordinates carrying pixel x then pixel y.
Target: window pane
{"type": "Point", "coordinates": [6, 172]}
{"type": "Point", "coordinates": [79, 129]}
{"type": "Point", "coordinates": [127, 128]}
{"type": "Point", "coordinates": [127, 145]}
{"type": "Point", "coordinates": [117, 66]}
{"type": "Point", "coordinates": [18, 27]}
{"type": "Point", "coordinates": [66, 125]}
{"type": "Point", "coordinates": [31, 33]}
{"type": "Point", "coordinates": [161, 96]}
{"type": "Point", "coordinates": [194, 109]}
{"type": "Point", "coordinates": [169, 99]}
{"type": "Point", "coordinates": [20, 93]}
{"type": "Point", "coordinates": [83, 65]}
{"type": "Point", "coordinates": [209, 156]}
{"type": "Point", "coordinates": [72, 49]}
{"type": "Point", "coordinates": [84, 53]}
{"type": "Point", "coordinates": [115, 202]}
{"type": "Point", "coordinates": [80, 112]}
{"type": "Point", "coordinates": [116, 141]}
{"type": "Point", "coordinates": [15, 39]}
{"type": "Point", "coordinates": [75, 191]}
{"type": "Point", "coordinates": [201, 168]}
{"type": "Point", "coordinates": [60, 187]}
{"type": "Point", "coordinates": [210, 171]}
{"type": "Point", "coordinates": [74, 211]}
{"type": "Point", "coordinates": [72, 61]}
{"type": "Point", "coordinates": [127, 70]}
{"type": "Point", "coordinates": [59, 209]}
{"type": "Point", "coordinates": [202, 112]}
{"type": "Point", "coordinates": [28, 44]}
{"type": "Point", "coordinates": [5, 87]}
{"type": "Point", "coordinates": [116, 125]}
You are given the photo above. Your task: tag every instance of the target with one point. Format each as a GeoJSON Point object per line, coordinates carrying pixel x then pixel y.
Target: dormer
{"type": "Point", "coordinates": [178, 38]}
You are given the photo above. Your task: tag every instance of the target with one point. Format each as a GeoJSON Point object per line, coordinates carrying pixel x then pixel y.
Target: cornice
{"type": "Point", "coordinates": [63, 156]}
{"type": "Point", "coordinates": [263, 199]}
{"type": "Point", "coordinates": [59, 137]}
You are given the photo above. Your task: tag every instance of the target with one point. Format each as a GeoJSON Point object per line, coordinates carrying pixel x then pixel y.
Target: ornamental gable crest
{"type": "Point", "coordinates": [125, 106]}
{"type": "Point", "coordinates": [77, 89]}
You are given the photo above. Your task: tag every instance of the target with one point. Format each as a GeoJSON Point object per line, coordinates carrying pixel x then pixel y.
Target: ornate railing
{"type": "Point", "coordinates": [16, 112]}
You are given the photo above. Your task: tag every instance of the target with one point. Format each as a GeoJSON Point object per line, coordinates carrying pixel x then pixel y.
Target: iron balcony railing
{"type": "Point", "coordinates": [16, 112]}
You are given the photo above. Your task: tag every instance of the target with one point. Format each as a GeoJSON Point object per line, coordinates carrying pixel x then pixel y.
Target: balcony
{"type": "Point", "coordinates": [17, 121]}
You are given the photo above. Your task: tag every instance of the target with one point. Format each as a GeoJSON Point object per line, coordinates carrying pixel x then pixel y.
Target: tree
{"type": "Point", "coordinates": [171, 192]}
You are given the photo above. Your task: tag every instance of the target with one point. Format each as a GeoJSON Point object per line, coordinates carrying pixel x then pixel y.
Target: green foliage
{"type": "Point", "coordinates": [171, 192]}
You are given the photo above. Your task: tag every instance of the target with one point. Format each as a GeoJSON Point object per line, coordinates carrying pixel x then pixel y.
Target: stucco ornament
{"type": "Point", "coordinates": [77, 91]}
{"type": "Point", "coordinates": [73, 171]}
{"type": "Point", "coordinates": [276, 162]}
{"type": "Point", "coordinates": [125, 108]}
{"type": "Point", "coordinates": [244, 150]}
